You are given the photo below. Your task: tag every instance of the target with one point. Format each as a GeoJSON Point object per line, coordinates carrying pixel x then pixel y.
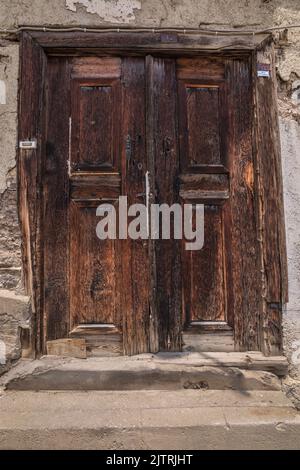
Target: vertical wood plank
{"type": "Point", "coordinates": [56, 201]}
{"type": "Point", "coordinates": [33, 64]}
{"type": "Point", "coordinates": [163, 134]}
{"type": "Point", "coordinates": [272, 227]}
{"type": "Point", "coordinates": [242, 222]}
{"type": "Point", "coordinates": [150, 130]}
{"type": "Point", "coordinates": [135, 260]}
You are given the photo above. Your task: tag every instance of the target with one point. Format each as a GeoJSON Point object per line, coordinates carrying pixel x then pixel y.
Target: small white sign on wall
{"type": "Point", "coordinates": [2, 92]}
{"type": "Point", "coordinates": [2, 353]}
{"type": "Point", "coordinates": [264, 70]}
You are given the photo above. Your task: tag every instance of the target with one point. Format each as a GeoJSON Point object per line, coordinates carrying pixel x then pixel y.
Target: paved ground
{"type": "Point", "coordinates": [178, 419]}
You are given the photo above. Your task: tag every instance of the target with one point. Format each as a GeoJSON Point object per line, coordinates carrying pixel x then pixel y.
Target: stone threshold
{"type": "Point", "coordinates": [163, 371]}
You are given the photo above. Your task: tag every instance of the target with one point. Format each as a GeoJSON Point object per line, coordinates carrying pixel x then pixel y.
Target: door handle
{"type": "Point", "coordinates": [148, 196]}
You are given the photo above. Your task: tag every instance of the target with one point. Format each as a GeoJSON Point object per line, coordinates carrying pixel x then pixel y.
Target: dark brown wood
{"type": "Point", "coordinates": [203, 125]}
{"type": "Point", "coordinates": [241, 225]}
{"type": "Point", "coordinates": [208, 342]}
{"type": "Point", "coordinates": [87, 280]}
{"type": "Point", "coordinates": [151, 154]}
{"type": "Point", "coordinates": [200, 197]}
{"type": "Point", "coordinates": [56, 202]}
{"type": "Point", "coordinates": [31, 126]}
{"type": "Point", "coordinates": [201, 114]}
{"type": "Point", "coordinates": [96, 67]}
{"type": "Point", "coordinates": [196, 327]}
{"type": "Point", "coordinates": [208, 291]}
{"type": "Point", "coordinates": [135, 261]}
{"type": "Point", "coordinates": [201, 69]}
{"type": "Point", "coordinates": [136, 285]}
{"type": "Point", "coordinates": [94, 177]}
{"type": "Point", "coordinates": [93, 273]}
{"type": "Point", "coordinates": [95, 186]}
{"type": "Point", "coordinates": [100, 340]}
{"type": "Point", "coordinates": [95, 124]}
{"type": "Point", "coordinates": [271, 210]}
{"type": "Point", "coordinates": [163, 131]}
{"type": "Point", "coordinates": [204, 182]}
{"type": "Point", "coordinates": [203, 128]}
{"type": "Point", "coordinates": [146, 42]}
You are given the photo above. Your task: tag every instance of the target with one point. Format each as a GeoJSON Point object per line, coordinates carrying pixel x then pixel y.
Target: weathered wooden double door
{"type": "Point", "coordinates": [185, 123]}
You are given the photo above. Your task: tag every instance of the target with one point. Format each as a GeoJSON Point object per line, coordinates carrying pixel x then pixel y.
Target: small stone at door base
{"type": "Point", "coordinates": [68, 347]}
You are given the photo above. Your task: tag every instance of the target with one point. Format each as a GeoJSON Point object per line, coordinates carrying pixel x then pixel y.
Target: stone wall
{"type": "Point", "coordinates": [14, 307]}
{"type": "Point", "coordinates": [249, 14]}
{"type": "Point", "coordinates": [10, 262]}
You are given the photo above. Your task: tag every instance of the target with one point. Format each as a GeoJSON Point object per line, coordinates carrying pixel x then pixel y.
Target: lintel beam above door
{"type": "Point", "coordinates": [139, 42]}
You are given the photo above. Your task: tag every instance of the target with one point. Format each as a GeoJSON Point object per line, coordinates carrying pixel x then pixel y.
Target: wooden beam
{"type": "Point", "coordinates": [251, 360]}
{"type": "Point", "coordinates": [271, 225]}
{"type": "Point", "coordinates": [31, 122]}
{"type": "Point", "coordinates": [241, 240]}
{"type": "Point", "coordinates": [163, 156]}
{"type": "Point", "coordinates": [67, 347]}
{"type": "Point", "coordinates": [135, 296]}
{"type": "Point", "coordinates": [146, 42]}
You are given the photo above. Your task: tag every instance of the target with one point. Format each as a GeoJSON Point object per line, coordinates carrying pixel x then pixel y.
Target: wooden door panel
{"type": "Point", "coordinates": [93, 271]}
{"type": "Point", "coordinates": [94, 173]}
{"type": "Point", "coordinates": [95, 124]}
{"type": "Point", "coordinates": [204, 179]}
{"type": "Point", "coordinates": [96, 67]}
{"type": "Point", "coordinates": [56, 201]}
{"type": "Point", "coordinates": [200, 68]}
{"type": "Point", "coordinates": [202, 115]}
{"type": "Point", "coordinates": [204, 187]}
{"type": "Point", "coordinates": [163, 155]}
{"type": "Point", "coordinates": [82, 169]}
{"type": "Point", "coordinates": [208, 271]}
{"type": "Point", "coordinates": [95, 177]}
{"type": "Point", "coordinates": [95, 187]}
{"type": "Point", "coordinates": [202, 125]}
{"type": "Point", "coordinates": [135, 280]}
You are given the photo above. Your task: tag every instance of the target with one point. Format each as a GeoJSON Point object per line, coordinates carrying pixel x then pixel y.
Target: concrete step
{"type": "Point", "coordinates": [147, 372]}
{"type": "Point", "coordinates": [156, 420]}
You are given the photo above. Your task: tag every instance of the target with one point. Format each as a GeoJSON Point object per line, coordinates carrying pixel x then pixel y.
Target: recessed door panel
{"type": "Point", "coordinates": [95, 124]}
{"type": "Point", "coordinates": [94, 296]}
{"type": "Point", "coordinates": [208, 270]}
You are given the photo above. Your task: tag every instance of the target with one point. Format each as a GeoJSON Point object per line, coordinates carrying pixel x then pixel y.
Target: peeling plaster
{"type": "Point", "coordinates": [116, 11]}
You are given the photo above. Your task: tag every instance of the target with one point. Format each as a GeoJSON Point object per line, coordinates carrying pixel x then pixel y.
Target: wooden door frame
{"type": "Point", "coordinates": [265, 174]}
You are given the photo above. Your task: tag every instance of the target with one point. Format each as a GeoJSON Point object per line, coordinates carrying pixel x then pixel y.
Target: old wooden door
{"type": "Point", "coordinates": [186, 123]}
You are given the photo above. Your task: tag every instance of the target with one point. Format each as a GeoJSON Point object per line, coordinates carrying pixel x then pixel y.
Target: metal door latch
{"type": "Point", "coordinates": [128, 149]}
{"type": "Point", "coordinates": [28, 144]}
